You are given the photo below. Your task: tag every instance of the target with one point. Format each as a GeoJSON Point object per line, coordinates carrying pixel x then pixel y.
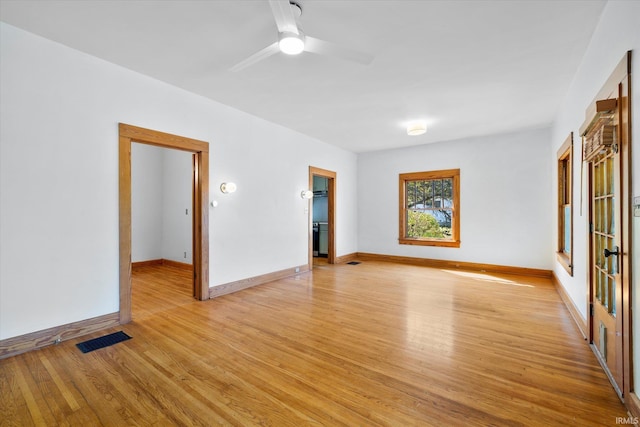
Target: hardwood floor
{"type": "Point", "coordinates": [354, 345]}
{"type": "Point", "coordinates": [158, 288]}
{"type": "Point", "coordinates": [320, 261]}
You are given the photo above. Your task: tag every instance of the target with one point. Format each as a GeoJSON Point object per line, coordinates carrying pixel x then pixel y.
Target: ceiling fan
{"type": "Point", "coordinates": [292, 41]}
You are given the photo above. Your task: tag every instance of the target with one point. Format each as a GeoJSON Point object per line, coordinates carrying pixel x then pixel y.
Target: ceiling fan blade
{"type": "Point", "coordinates": [256, 57]}
{"type": "Point", "coordinates": [285, 20]}
{"type": "Point", "coordinates": [323, 47]}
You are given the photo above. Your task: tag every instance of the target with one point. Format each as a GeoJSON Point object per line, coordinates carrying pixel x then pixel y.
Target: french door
{"type": "Point", "coordinates": [605, 266]}
{"type": "Point", "coordinates": [606, 150]}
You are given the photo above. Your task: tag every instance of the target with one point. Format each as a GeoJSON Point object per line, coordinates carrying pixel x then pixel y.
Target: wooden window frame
{"type": "Point", "coordinates": [404, 178]}
{"type": "Point", "coordinates": [565, 194]}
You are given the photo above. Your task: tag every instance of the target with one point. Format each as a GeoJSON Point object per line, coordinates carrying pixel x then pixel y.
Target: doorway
{"type": "Point", "coordinates": [322, 216]}
{"type": "Point", "coordinates": [606, 149]}
{"type": "Point", "coordinates": [161, 229]}
{"type": "Point", "coordinates": [200, 214]}
{"type": "Point", "coordinates": [161, 212]}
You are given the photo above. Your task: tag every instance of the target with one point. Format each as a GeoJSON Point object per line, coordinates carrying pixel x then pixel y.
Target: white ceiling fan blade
{"type": "Point", "coordinates": [323, 47]}
{"type": "Point", "coordinates": [285, 20]}
{"type": "Point", "coordinates": [256, 57]}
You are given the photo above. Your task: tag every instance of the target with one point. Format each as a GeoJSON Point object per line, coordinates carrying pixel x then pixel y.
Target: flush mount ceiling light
{"type": "Point", "coordinates": [416, 128]}
{"type": "Point", "coordinates": [306, 194]}
{"type": "Point", "coordinates": [228, 187]}
{"type": "Point", "coordinates": [291, 43]}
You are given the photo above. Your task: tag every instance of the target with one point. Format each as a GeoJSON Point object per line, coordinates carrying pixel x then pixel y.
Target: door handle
{"type": "Point", "coordinates": [608, 253]}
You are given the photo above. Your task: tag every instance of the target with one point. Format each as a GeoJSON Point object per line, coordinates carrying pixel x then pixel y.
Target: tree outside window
{"type": "Point", "coordinates": [430, 208]}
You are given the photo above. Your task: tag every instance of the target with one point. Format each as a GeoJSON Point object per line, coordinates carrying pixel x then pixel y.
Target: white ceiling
{"type": "Point", "coordinates": [468, 67]}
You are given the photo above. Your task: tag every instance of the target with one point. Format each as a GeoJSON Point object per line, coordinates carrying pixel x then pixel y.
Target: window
{"type": "Point", "coordinates": [565, 210]}
{"type": "Point", "coordinates": [430, 208]}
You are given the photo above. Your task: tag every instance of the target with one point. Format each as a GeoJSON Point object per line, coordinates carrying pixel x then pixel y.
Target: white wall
{"type": "Point", "coordinates": [59, 115]}
{"type": "Point", "coordinates": [504, 185]}
{"type": "Point", "coordinates": [146, 202]}
{"type": "Point", "coordinates": [617, 32]}
{"type": "Point", "coordinates": [161, 193]}
{"type": "Point", "coordinates": [177, 226]}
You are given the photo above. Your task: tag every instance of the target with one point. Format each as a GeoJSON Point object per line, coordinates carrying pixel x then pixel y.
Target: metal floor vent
{"type": "Point", "coordinates": [101, 342]}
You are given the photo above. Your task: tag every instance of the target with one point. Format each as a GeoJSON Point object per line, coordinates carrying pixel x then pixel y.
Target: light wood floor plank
{"type": "Point", "coordinates": [371, 344]}
{"type": "Point", "coordinates": [13, 405]}
{"type": "Point", "coordinates": [32, 396]}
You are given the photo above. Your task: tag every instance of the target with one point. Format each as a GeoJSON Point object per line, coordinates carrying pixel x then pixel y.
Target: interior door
{"type": "Point", "coordinates": [606, 281]}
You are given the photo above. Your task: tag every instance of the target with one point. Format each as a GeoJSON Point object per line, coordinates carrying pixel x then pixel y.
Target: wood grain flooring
{"type": "Point", "coordinates": [346, 345]}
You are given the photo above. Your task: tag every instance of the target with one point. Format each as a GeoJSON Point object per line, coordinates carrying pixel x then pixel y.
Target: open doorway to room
{"type": "Point", "coordinates": [161, 229]}
{"type": "Point", "coordinates": [200, 214]}
{"type": "Point", "coordinates": [322, 217]}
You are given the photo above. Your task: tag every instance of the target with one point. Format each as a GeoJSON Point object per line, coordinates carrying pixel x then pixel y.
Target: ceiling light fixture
{"type": "Point", "coordinates": [416, 128]}
{"type": "Point", "coordinates": [291, 43]}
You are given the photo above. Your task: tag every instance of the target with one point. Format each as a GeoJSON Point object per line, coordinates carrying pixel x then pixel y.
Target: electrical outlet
{"type": "Point", "coordinates": [185, 255]}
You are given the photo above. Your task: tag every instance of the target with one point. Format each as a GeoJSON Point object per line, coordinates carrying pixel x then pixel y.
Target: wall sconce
{"type": "Point", "coordinates": [416, 128]}
{"type": "Point", "coordinates": [306, 194]}
{"type": "Point", "coordinates": [228, 187]}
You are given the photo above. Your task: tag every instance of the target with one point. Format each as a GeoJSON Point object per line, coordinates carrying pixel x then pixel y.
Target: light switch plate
{"type": "Point", "coordinates": [636, 206]}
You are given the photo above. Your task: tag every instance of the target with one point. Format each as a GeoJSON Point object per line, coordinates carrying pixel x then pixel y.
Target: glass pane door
{"type": "Point", "coordinates": [604, 231]}
{"type": "Point", "coordinates": [605, 274]}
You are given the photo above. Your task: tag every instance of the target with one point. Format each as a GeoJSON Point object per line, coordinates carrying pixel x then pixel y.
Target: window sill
{"type": "Point", "coordinates": [565, 262]}
{"type": "Point", "coordinates": [425, 242]}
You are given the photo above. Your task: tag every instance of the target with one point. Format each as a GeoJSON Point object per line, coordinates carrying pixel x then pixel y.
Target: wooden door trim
{"type": "Point", "coordinates": [332, 178]}
{"type": "Point", "coordinates": [127, 135]}
{"type": "Point", "coordinates": [626, 212]}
